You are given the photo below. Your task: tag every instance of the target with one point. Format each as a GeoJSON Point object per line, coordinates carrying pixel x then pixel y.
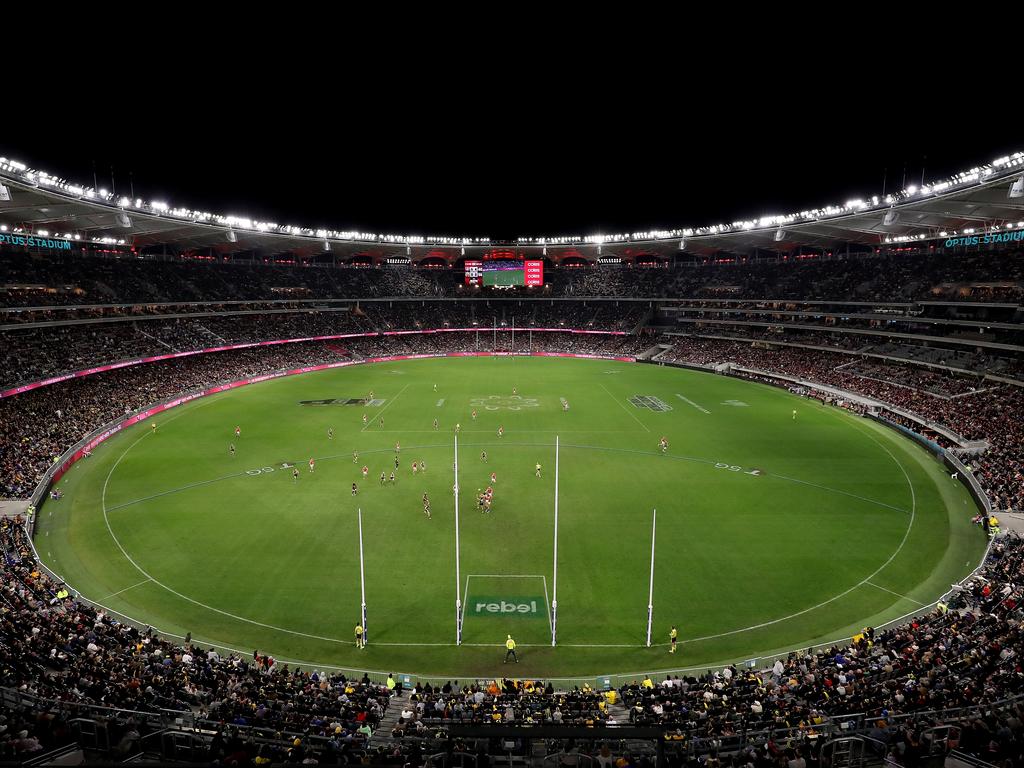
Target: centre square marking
{"type": "Point", "coordinates": [504, 402]}
{"type": "Point", "coordinates": [517, 607]}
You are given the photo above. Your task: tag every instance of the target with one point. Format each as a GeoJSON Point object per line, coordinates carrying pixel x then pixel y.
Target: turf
{"type": "Point", "coordinates": [846, 524]}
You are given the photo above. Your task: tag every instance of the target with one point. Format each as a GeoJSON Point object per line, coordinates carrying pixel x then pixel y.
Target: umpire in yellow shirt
{"type": "Point", "coordinates": [510, 650]}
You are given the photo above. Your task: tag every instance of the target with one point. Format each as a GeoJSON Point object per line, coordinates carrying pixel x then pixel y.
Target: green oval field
{"type": "Point", "coordinates": [773, 532]}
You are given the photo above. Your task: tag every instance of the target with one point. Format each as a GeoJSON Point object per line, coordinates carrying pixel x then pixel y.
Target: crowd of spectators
{"type": "Point", "coordinates": [32, 353]}
{"type": "Point", "coordinates": [66, 651]}
{"type": "Point", "coordinates": [31, 280]}
{"type": "Point", "coordinates": [78, 279]}
{"type": "Point", "coordinates": [965, 653]}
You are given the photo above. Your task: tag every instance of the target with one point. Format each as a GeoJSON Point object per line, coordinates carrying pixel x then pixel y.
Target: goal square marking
{"type": "Point", "coordinates": [521, 602]}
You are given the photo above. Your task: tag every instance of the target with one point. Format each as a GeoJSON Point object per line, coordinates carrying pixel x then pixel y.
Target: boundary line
{"type": "Point", "coordinates": [696, 639]}
{"type": "Point", "coordinates": [706, 666]}
{"type": "Point", "coordinates": [632, 415]}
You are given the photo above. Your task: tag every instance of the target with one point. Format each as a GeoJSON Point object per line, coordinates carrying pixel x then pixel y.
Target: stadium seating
{"type": "Point", "coordinates": [933, 361]}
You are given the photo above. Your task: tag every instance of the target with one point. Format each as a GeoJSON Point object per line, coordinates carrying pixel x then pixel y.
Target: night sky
{"type": "Point", "coordinates": [503, 167]}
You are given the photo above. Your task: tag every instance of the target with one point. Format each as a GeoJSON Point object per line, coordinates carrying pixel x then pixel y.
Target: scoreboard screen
{"type": "Point", "coordinates": [510, 273]}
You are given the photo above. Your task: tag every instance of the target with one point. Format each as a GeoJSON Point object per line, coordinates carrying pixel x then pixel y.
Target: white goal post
{"type": "Point", "coordinates": [458, 573]}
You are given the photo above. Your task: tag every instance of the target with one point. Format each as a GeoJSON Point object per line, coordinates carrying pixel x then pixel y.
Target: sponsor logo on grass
{"type": "Point", "coordinates": [504, 403]}
{"type": "Point", "coordinates": [650, 402]}
{"type": "Point", "coordinates": [736, 403]}
{"type": "Point", "coordinates": [529, 607]}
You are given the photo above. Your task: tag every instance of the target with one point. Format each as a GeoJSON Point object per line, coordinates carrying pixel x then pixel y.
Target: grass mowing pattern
{"type": "Point", "coordinates": [847, 523]}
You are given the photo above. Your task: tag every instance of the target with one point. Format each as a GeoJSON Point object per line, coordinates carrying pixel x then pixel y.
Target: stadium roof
{"type": "Point", "coordinates": [970, 202]}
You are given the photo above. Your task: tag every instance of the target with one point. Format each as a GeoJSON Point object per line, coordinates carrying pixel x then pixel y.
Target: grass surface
{"type": "Point", "coordinates": [847, 523]}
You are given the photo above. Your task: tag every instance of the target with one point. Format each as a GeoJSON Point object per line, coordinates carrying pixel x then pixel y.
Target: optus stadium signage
{"type": "Point", "coordinates": [31, 241]}
{"type": "Point", "coordinates": [989, 239]}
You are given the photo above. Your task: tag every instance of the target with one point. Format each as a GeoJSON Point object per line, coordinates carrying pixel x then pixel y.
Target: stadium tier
{"type": "Point", "coordinates": [839, 549]}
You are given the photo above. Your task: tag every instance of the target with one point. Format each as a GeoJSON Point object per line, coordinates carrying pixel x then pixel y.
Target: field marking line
{"type": "Point", "coordinates": [517, 431]}
{"type": "Point", "coordinates": [174, 490]}
{"type": "Point", "coordinates": [419, 645]}
{"type": "Point", "coordinates": [465, 599]}
{"type": "Point", "coordinates": [560, 645]}
{"type": "Point", "coordinates": [330, 666]}
{"type": "Point", "coordinates": [140, 569]}
{"type": "Point", "coordinates": [115, 594]}
{"type": "Point", "coordinates": [388, 405]}
{"type": "Point", "coordinates": [863, 582]}
{"type": "Point", "coordinates": [499, 644]}
{"type": "Point", "coordinates": [700, 408]}
{"type": "Point", "coordinates": [837, 490]}
{"type": "Point", "coordinates": [547, 605]}
{"type": "Point", "coordinates": [632, 415]}
{"type": "Point", "coordinates": [879, 586]}
{"type": "Point", "coordinates": [696, 639]}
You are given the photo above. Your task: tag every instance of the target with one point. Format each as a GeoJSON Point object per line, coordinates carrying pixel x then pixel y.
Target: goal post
{"type": "Point", "coordinates": [458, 573]}
{"type": "Point", "coordinates": [362, 579]}
{"type": "Point", "coordinates": [650, 592]}
{"type": "Point", "coordinates": [554, 579]}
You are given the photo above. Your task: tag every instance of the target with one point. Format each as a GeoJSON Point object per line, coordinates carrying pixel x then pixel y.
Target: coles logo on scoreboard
{"type": "Point", "coordinates": [533, 272]}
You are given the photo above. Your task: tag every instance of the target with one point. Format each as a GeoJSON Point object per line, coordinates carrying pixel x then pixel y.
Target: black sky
{"type": "Point", "coordinates": [518, 152]}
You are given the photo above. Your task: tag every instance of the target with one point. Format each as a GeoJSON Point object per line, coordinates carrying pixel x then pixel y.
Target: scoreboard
{"type": "Point", "coordinates": [505, 273]}
{"type": "Point", "coordinates": [474, 272]}
{"type": "Point", "coordinates": [533, 272]}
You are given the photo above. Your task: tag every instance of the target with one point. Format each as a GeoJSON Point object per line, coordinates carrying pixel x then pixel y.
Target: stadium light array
{"type": "Point", "coordinates": [1002, 165]}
